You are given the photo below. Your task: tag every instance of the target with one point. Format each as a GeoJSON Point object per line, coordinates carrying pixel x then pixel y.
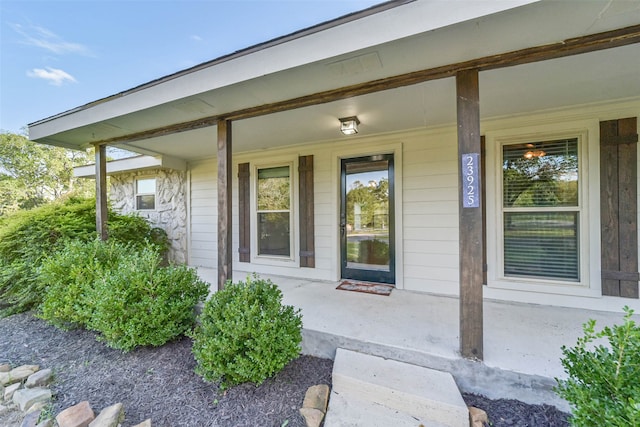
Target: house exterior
{"type": "Point", "coordinates": [495, 157]}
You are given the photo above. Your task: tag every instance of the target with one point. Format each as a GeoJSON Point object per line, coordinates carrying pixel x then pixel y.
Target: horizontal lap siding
{"type": "Point", "coordinates": [324, 211]}
{"type": "Point", "coordinates": [430, 213]}
{"type": "Point", "coordinates": [204, 215]}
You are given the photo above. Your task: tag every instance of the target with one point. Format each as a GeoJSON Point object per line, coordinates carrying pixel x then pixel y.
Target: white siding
{"type": "Point", "coordinates": [427, 182]}
{"type": "Point", "coordinates": [430, 208]}
{"type": "Point", "coordinates": [203, 215]}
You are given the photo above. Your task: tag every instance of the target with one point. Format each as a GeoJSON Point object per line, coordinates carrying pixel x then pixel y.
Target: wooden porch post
{"type": "Point", "coordinates": [101, 191]}
{"type": "Point", "coordinates": [224, 203]}
{"type": "Point", "coordinates": [470, 214]}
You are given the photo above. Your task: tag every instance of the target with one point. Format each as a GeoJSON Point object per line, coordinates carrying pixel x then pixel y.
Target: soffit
{"type": "Point", "coordinates": [522, 88]}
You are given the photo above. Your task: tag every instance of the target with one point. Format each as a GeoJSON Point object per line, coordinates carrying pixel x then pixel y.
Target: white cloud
{"type": "Point", "coordinates": [48, 40]}
{"type": "Point", "coordinates": [196, 37]}
{"type": "Point", "coordinates": [55, 76]}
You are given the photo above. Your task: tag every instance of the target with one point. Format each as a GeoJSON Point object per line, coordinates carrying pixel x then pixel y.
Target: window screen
{"type": "Point", "coordinates": [541, 209]}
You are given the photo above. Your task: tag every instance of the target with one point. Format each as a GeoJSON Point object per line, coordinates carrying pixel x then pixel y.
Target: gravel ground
{"type": "Point", "coordinates": [160, 383]}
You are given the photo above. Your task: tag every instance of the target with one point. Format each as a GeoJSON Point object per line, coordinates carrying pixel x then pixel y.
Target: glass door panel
{"type": "Point", "coordinates": [366, 215]}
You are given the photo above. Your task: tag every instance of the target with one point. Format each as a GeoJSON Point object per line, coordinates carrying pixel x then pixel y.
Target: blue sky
{"type": "Point", "coordinates": [58, 55]}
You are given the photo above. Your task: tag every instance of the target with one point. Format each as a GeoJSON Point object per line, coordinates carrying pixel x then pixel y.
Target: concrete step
{"type": "Point", "coordinates": [350, 411]}
{"type": "Point", "coordinates": [426, 395]}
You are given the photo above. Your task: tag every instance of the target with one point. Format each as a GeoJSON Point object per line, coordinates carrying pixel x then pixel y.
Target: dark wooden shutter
{"type": "Point", "coordinates": [305, 179]}
{"type": "Point", "coordinates": [618, 207]}
{"type": "Point", "coordinates": [244, 212]}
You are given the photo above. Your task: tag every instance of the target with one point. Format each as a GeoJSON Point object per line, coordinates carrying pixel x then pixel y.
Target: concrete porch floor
{"type": "Point", "coordinates": [522, 342]}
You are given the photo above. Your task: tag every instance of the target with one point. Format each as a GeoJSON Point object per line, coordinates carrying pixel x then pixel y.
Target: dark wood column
{"type": "Point", "coordinates": [101, 191]}
{"type": "Point", "coordinates": [470, 213]}
{"type": "Point", "coordinates": [224, 203]}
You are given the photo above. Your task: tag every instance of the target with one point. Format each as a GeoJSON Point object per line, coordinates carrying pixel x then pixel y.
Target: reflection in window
{"type": "Point", "coordinates": [541, 212]}
{"type": "Point", "coordinates": [146, 194]}
{"type": "Point", "coordinates": [274, 211]}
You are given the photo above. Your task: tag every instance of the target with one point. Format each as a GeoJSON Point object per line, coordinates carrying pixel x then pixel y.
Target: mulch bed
{"type": "Point", "coordinates": [160, 383]}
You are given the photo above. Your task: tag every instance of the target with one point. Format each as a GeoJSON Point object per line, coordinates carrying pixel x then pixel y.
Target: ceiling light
{"type": "Point", "coordinates": [534, 153]}
{"type": "Point", "coordinates": [349, 125]}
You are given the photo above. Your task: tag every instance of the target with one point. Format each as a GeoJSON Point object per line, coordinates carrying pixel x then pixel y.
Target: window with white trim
{"type": "Point", "coordinates": [541, 210]}
{"type": "Point", "coordinates": [145, 194]}
{"type": "Point", "coordinates": [273, 211]}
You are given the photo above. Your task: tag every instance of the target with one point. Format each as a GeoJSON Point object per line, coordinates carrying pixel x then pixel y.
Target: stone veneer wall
{"type": "Point", "coordinates": [171, 206]}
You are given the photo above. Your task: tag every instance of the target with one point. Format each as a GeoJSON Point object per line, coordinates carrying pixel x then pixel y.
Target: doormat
{"type": "Point", "coordinates": [369, 288]}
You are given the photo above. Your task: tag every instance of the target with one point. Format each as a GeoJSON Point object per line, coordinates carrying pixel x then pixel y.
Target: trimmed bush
{"type": "Point", "coordinates": [28, 237]}
{"type": "Point", "coordinates": [70, 276]}
{"type": "Point", "coordinates": [121, 292]}
{"type": "Point", "coordinates": [246, 334]}
{"type": "Point", "coordinates": [140, 303]}
{"type": "Point", "coordinates": [603, 385]}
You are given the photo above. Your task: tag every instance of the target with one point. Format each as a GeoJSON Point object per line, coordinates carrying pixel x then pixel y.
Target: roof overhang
{"type": "Point", "coordinates": [393, 39]}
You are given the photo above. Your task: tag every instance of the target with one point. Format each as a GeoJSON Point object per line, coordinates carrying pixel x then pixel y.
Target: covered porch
{"type": "Point", "coordinates": [416, 86]}
{"type": "Point", "coordinates": [522, 342]}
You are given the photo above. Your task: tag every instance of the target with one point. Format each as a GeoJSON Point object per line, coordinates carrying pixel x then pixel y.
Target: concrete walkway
{"type": "Point", "coordinates": [522, 342]}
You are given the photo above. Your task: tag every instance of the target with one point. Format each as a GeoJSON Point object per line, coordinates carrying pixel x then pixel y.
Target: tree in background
{"type": "Point", "coordinates": [33, 174]}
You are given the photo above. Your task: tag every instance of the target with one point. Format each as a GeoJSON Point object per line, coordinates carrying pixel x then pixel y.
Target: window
{"type": "Point", "coordinates": [541, 210]}
{"type": "Point", "coordinates": [146, 194]}
{"type": "Point", "coordinates": [274, 211]}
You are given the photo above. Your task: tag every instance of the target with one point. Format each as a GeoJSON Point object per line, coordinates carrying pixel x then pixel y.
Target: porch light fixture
{"type": "Point", "coordinates": [349, 125]}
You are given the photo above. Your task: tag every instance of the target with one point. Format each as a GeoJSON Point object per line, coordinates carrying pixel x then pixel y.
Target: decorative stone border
{"type": "Point", "coordinates": [25, 389]}
{"type": "Point", "coordinates": [315, 403]}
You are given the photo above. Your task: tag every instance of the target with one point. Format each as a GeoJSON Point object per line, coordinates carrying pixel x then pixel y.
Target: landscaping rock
{"type": "Point", "coordinates": [312, 416]}
{"type": "Point", "coordinates": [317, 397]}
{"type": "Point", "coordinates": [6, 407]}
{"type": "Point", "coordinates": [4, 378]}
{"type": "Point", "coordinates": [31, 419]}
{"type": "Point", "coordinates": [110, 416]}
{"type": "Point", "coordinates": [27, 397]}
{"type": "Point", "coordinates": [478, 417]}
{"type": "Point", "coordinates": [5, 367]}
{"type": "Point", "coordinates": [10, 390]}
{"type": "Point", "coordinates": [79, 415]}
{"type": "Point", "coordinates": [39, 379]}
{"type": "Point", "coordinates": [23, 402]}
{"type": "Point", "coordinates": [37, 406]}
{"type": "Point", "coordinates": [314, 406]}
{"type": "Point", "coordinates": [21, 373]}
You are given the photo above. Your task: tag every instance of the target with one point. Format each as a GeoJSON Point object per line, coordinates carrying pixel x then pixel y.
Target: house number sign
{"type": "Point", "coordinates": [470, 194]}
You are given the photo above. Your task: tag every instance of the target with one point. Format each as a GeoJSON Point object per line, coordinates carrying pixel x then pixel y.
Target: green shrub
{"type": "Point", "coordinates": [136, 230]}
{"type": "Point", "coordinates": [603, 386]}
{"type": "Point", "coordinates": [120, 291]}
{"type": "Point", "coordinates": [69, 277]}
{"type": "Point", "coordinates": [28, 237]}
{"type": "Point", "coordinates": [140, 303]}
{"type": "Point", "coordinates": [246, 334]}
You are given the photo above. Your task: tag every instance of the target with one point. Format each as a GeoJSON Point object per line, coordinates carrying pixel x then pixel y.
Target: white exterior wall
{"type": "Point", "coordinates": [203, 214]}
{"type": "Point", "coordinates": [170, 213]}
{"type": "Point", "coordinates": [426, 177]}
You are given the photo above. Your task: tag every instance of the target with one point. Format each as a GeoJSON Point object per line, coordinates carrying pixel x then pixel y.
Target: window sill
{"type": "Point", "coordinates": [545, 286]}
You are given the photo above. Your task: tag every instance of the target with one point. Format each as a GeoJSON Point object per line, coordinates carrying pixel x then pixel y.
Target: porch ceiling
{"type": "Point", "coordinates": [586, 78]}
